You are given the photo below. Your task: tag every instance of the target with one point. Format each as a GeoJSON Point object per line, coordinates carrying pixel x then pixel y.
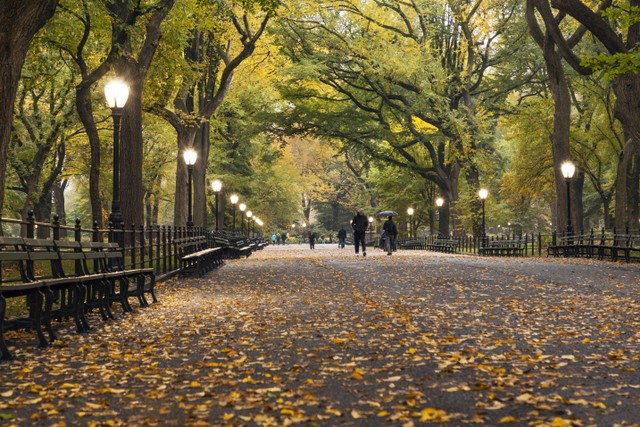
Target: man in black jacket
{"type": "Point", "coordinates": [359, 224]}
{"type": "Point", "coordinates": [342, 237]}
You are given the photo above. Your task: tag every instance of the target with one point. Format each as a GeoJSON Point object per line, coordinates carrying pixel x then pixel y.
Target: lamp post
{"type": "Point", "coordinates": [568, 169]}
{"type": "Point", "coordinates": [410, 213]}
{"type": "Point", "coordinates": [216, 186]}
{"type": "Point", "coordinates": [249, 215]}
{"type": "Point", "coordinates": [116, 92]}
{"type": "Point", "coordinates": [439, 204]}
{"type": "Point", "coordinates": [242, 208]}
{"type": "Point", "coordinates": [371, 233]}
{"type": "Point", "coordinates": [483, 193]}
{"type": "Point", "coordinates": [234, 199]}
{"type": "Point", "coordinates": [190, 156]}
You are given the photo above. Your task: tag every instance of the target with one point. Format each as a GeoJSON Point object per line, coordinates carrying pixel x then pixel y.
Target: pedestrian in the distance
{"type": "Point", "coordinates": [274, 239]}
{"type": "Point", "coordinates": [284, 238]}
{"type": "Point", "coordinates": [312, 240]}
{"type": "Point", "coordinates": [390, 233]}
{"type": "Point", "coordinates": [342, 238]}
{"type": "Point", "coordinates": [359, 225]}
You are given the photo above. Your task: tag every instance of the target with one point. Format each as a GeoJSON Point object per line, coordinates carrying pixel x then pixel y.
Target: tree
{"type": "Point", "coordinates": [20, 21]}
{"type": "Point", "coordinates": [43, 119]}
{"type": "Point", "coordinates": [618, 32]}
{"type": "Point", "coordinates": [406, 81]}
{"type": "Point", "coordinates": [213, 57]}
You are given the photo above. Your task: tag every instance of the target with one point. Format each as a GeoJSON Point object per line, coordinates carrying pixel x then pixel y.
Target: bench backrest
{"type": "Point", "coordinates": [13, 259]}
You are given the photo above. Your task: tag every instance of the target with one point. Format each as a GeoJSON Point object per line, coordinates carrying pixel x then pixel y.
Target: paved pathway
{"type": "Point", "coordinates": [326, 338]}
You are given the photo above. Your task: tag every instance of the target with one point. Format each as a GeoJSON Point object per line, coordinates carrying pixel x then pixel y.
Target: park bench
{"type": "Point", "coordinates": [234, 247]}
{"type": "Point", "coordinates": [504, 247]}
{"type": "Point", "coordinates": [14, 285]}
{"type": "Point", "coordinates": [411, 244]}
{"type": "Point", "coordinates": [107, 259]}
{"type": "Point", "coordinates": [442, 245]}
{"type": "Point", "coordinates": [195, 254]}
{"type": "Point", "coordinates": [56, 281]}
{"type": "Point", "coordinates": [619, 247]}
{"type": "Point", "coordinates": [606, 245]}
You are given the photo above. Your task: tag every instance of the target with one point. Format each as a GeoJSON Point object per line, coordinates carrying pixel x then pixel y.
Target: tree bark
{"type": "Point", "coordinates": [627, 111]}
{"type": "Point", "coordinates": [562, 110]}
{"type": "Point", "coordinates": [133, 69]}
{"type": "Point", "coordinates": [19, 21]}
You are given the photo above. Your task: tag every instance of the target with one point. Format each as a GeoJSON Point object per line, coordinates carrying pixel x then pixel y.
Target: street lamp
{"type": "Point", "coordinates": [439, 204]}
{"type": "Point", "coordinates": [116, 92]}
{"type": "Point", "coordinates": [410, 213]}
{"type": "Point", "coordinates": [371, 233]}
{"type": "Point", "coordinates": [234, 199]}
{"type": "Point", "coordinates": [242, 208]}
{"type": "Point", "coordinates": [568, 169]}
{"type": "Point", "coordinates": [216, 186]}
{"type": "Point", "coordinates": [190, 156]}
{"type": "Point", "coordinates": [483, 193]}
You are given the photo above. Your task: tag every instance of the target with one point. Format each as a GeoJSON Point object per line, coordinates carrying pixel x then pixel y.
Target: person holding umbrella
{"type": "Point", "coordinates": [390, 232]}
{"type": "Point", "coordinates": [360, 224]}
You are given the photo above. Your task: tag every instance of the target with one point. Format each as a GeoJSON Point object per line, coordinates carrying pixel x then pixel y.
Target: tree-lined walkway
{"type": "Point", "coordinates": [326, 338]}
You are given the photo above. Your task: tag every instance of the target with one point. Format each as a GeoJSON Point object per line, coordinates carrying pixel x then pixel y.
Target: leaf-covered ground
{"type": "Point", "coordinates": [326, 338]}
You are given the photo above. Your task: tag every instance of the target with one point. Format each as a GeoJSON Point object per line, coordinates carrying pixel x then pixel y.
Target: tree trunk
{"type": "Point", "coordinates": [59, 201]}
{"type": "Point", "coordinates": [627, 110]}
{"type": "Point", "coordinates": [131, 188]}
{"type": "Point", "coordinates": [19, 21]}
{"type": "Point", "coordinates": [85, 112]}
{"type": "Point", "coordinates": [200, 187]}
{"type": "Point", "coordinates": [561, 124]}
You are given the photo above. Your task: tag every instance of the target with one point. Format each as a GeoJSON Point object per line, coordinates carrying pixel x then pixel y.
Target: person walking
{"type": "Point", "coordinates": [359, 225]}
{"type": "Point", "coordinates": [342, 238]}
{"type": "Point", "coordinates": [390, 232]}
{"type": "Point", "coordinates": [284, 238]}
{"type": "Point", "coordinates": [312, 240]}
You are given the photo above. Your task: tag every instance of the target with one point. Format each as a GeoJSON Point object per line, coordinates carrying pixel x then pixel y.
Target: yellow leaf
{"type": "Point", "coordinates": [7, 393]}
{"type": "Point", "coordinates": [586, 341]}
{"type": "Point", "coordinates": [357, 374]}
{"type": "Point", "coordinates": [195, 384]}
{"type": "Point", "coordinates": [68, 385]}
{"type": "Point", "coordinates": [411, 350]}
{"type": "Point", "coordinates": [508, 419]}
{"type": "Point", "coordinates": [106, 390]}
{"type": "Point", "coordinates": [92, 405]}
{"type": "Point", "coordinates": [599, 405]}
{"type": "Point", "coordinates": [383, 413]}
{"type": "Point", "coordinates": [432, 414]}
{"type": "Point", "coordinates": [560, 422]}
{"type": "Point", "coordinates": [286, 412]}
{"type": "Point", "coordinates": [227, 416]}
